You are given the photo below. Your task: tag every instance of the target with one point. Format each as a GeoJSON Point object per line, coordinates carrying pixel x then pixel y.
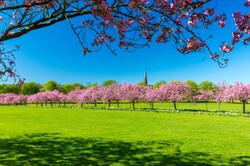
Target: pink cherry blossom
{"type": "Point", "coordinates": [226, 48]}
{"type": "Point", "coordinates": [222, 23]}
{"type": "Point", "coordinates": [215, 56]}
{"type": "Point", "coordinates": [174, 91]}
{"type": "Point", "coordinates": [238, 91]}
{"type": "Point", "coordinates": [11, 23]}
{"type": "Point", "coordinates": [205, 96]}
{"type": "Point", "coordinates": [112, 93]}
{"type": "Point", "coordinates": [193, 20]}
{"type": "Point", "coordinates": [130, 24]}
{"type": "Point", "coordinates": [133, 93]}
{"type": "Point", "coordinates": [209, 12]}
{"type": "Point", "coordinates": [105, 12]}
{"type": "Point", "coordinates": [194, 45]}
{"type": "Point", "coordinates": [247, 3]}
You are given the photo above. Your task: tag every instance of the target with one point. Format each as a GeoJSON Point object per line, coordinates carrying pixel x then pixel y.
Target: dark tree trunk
{"type": "Point", "coordinates": [117, 102]}
{"type": "Point", "coordinates": [244, 106]}
{"type": "Point", "coordinates": [219, 106]}
{"type": "Point", "coordinates": [174, 105]}
{"type": "Point", "coordinates": [133, 104]}
{"type": "Point", "coordinates": [206, 106]}
{"type": "Point", "coordinates": [152, 105]}
{"type": "Point", "coordinates": [95, 104]}
{"type": "Point", "coordinates": [109, 103]}
{"type": "Point", "coordinates": [51, 103]}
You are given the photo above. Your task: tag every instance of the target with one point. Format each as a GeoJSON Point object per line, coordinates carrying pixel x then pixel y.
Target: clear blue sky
{"type": "Point", "coordinates": [54, 53]}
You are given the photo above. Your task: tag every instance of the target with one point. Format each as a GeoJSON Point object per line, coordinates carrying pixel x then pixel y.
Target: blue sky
{"type": "Point", "coordinates": [54, 53]}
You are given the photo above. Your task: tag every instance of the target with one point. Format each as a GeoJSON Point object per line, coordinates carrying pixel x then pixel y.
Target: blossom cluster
{"type": "Point", "coordinates": [127, 24]}
{"type": "Point", "coordinates": [175, 21]}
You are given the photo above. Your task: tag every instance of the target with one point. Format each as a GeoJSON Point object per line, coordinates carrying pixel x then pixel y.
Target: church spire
{"type": "Point", "coordinates": [145, 77]}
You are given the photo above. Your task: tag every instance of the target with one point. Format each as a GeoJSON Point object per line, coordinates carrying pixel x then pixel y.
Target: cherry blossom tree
{"type": "Point", "coordinates": [37, 98]}
{"type": "Point", "coordinates": [91, 95]}
{"type": "Point", "coordinates": [152, 95]}
{"type": "Point", "coordinates": [205, 95]}
{"type": "Point", "coordinates": [23, 99]}
{"type": "Point", "coordinates": [32, 99]}
{"type": "Point", "coordinates": [111, 93]}
{"type": "Point", "coordinates": [193, 90]}
{"type": "Point", "coordinates": [9, 99]}
{"type": "Point", "coordinates": [219, 93]}
{"type": "Point", "coordinates": [96, 93]}
{"type": "Point", "coordinates": [72, 96]}
{"type": "Point", "coordinates": [62, 99]}
{"type": "Point", "coordinates": [174, 91]}
{"type": "Point", "coordinates": [7, 65]}
{"type": "Point", "coordinates": [238, 91]}
{"type": "Point", "coordinates": [52, 96]}
{"type": "Point", "coordinates": [133, 93]}
{"type": "Point", "coordinates": [128, 24]}
{"type": "Point", "coordinates": [83, 97]}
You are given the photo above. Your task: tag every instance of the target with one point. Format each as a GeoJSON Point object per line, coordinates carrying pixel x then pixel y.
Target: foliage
{"type": "Point", "coordinates": [143, 83]}
{"type": "Point", "coordinates": [158, 84]}
{"type": "Point", "coordinates": [11, 88]}
{"type": "Point", "coordinates": [109, 82]}
{"type": "Point", "coordinates": [192, 85]}
{"type": "Point", "coordinates": [206, 85]}
{"type": "Point", "coordinates": [50, 86]}
{"type": "Point", "coordinates": [89, 85]}
{"type": "Point", "coordinates": [30, 88]}
{"type": "Point", "coordinates": [66, 88]}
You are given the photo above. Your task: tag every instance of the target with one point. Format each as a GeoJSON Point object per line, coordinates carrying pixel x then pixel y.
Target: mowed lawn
{"type": "Point", "coordinates": [228, 107]}
{"type": "Point", "coordinates": [76, 136]}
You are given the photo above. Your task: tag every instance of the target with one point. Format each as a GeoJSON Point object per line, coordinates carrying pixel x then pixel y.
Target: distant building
{"type": "Point", "coordinates": [145, 80]}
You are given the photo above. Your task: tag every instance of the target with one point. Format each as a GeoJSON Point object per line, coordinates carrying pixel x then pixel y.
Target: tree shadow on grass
{"type": "Point", "coordinates": [52, 149]}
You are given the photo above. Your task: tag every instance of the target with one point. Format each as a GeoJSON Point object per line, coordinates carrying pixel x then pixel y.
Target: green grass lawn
{"type": "Point", "coordinates": [75, 136]}
{"type": "Point", "coordinates": [228, 107]}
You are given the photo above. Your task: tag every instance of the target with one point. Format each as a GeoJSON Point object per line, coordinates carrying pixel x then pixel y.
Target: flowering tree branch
{"type": "Point", "coordinates": [129, 24]}
{"type": "Point", "coordinates": [7, 65]}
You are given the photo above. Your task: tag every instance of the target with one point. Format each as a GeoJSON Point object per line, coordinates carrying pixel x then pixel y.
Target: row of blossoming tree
{"type": "Point", "coordinates": [173, 91]}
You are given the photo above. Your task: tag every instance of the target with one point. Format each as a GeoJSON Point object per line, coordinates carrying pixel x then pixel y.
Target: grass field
{"type": "Point", "coordinates": [75, 136]}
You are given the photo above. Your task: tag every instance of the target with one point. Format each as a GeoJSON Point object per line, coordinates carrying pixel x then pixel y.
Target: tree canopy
{"type": "Point", "coordinates": [4, 88]}
{"type": "Point", "coordinates": [66, 88]}
{"type": "Point", "coordinates": [30, 88]}
{"type": "Point", "coordinates": [127, 24]}
{"type": "Point", "coordinates": [50, 86]}
{"type": "Point", "coordinates": [108, 82]}
{"type": "Point", "coordinates": [192, 85]}
{"type": "Point", "coordinates": [206, 85]}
